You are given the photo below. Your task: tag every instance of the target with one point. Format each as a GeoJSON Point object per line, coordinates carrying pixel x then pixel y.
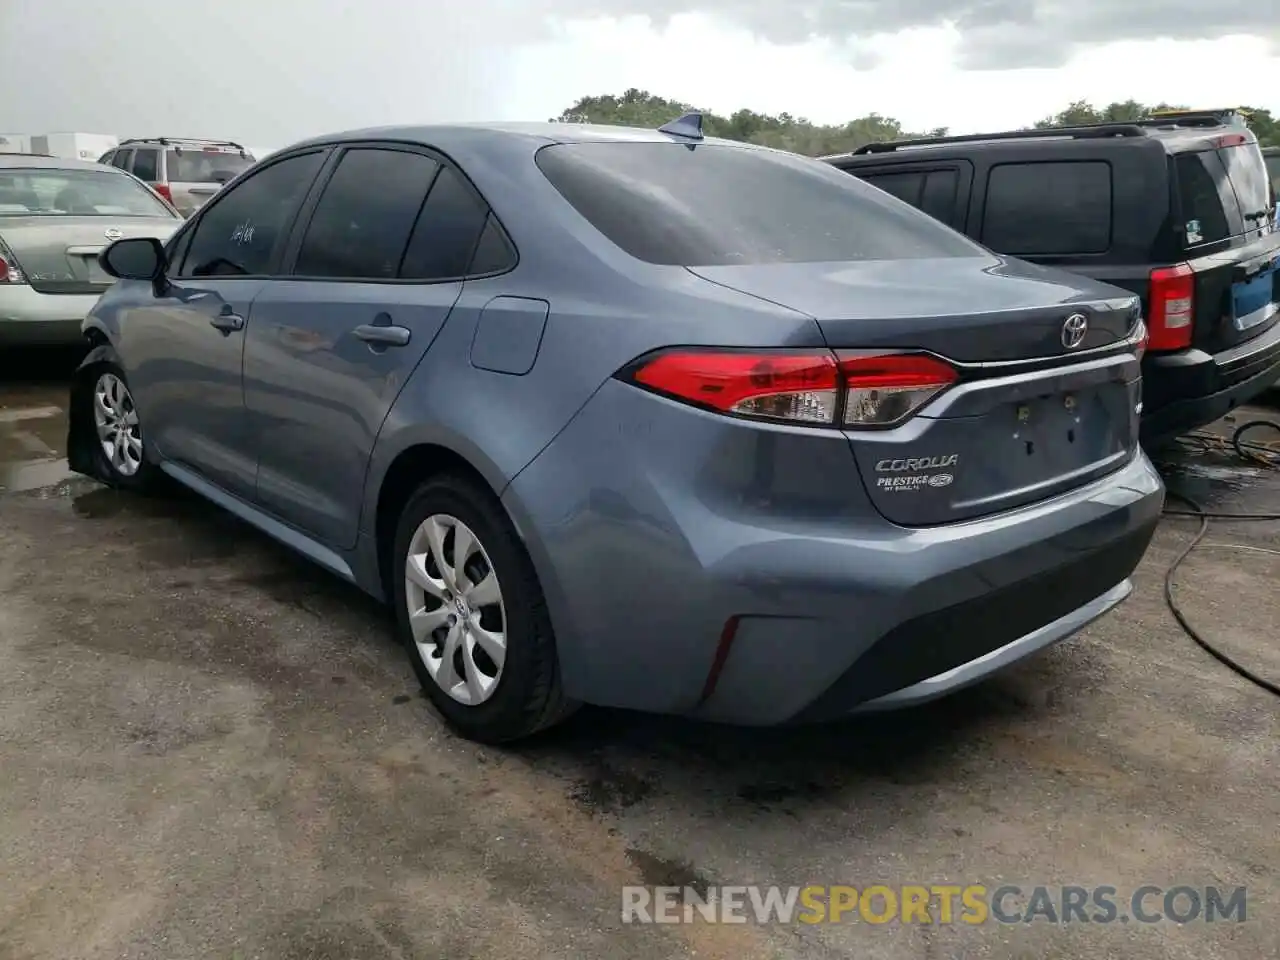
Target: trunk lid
{"type": "Point", "coordinates": [969, 309]}
{"type": "Point", "coordinates": [59, 254]}
{"type": "Point", "coordinates": [1035, 411]}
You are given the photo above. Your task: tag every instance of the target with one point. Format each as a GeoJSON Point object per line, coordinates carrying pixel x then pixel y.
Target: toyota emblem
{"type": "Point", "coordinates": [113, 233]}
{"type": "Point", "coordinates": [1074, 329]}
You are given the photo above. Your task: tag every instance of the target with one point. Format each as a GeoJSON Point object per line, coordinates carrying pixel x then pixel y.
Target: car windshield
{"type": "Point", "coordinates": [721, 205]}
{"type": "Point", "coordinates": [75, 193]}
{"type": "Point", "coordinates": [205, 166]}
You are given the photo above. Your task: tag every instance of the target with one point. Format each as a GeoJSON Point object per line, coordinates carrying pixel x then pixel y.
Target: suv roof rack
{"type": "Point", "coordinates": [1088, 131]}
{"type": "Point", "coordinates": [182, 141]}
{"type": "Point", "coordinates": [1220, 116]}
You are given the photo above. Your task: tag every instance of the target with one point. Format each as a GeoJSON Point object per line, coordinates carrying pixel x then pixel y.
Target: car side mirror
{"type": "Point", "coordinates": [134, 258]}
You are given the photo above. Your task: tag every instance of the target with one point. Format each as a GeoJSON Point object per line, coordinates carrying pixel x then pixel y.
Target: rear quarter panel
{"type": "Point", "coordinates": [605, 309]}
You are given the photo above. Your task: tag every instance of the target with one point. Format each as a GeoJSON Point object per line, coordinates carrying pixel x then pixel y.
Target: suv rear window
{"type": "Point", "coordinates": [204, 166]}
{"type": "Point", "coordinates": [1248, 175]}
{"type": "Point", "coordinates": [1223, 192]}
{"type": "Point", "coordinates": [715, 205]}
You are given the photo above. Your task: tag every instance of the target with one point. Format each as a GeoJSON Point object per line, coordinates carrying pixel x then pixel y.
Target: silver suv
{"type": "Point", "coordinates": [184, 172]}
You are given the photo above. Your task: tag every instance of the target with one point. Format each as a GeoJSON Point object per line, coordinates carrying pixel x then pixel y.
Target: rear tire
{"type": "Point", "coordinates": [472, 616]}
{"type": "Point", "coordinates": [113, 432]}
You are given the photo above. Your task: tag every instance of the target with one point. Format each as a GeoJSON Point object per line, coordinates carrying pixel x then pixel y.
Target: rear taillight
{"type": "Point", "coordinates": [164, 191]}
{"type": "Point", "coordinates": [816, 388]}
{"type": "Point", "coordinates": [1141, 337]}
{"type": "Point", "coordinates": [10, 272]}
{"type": "Point", "coordinates": [1172, 307]}
{"type": "Point", "coordinates": [885, 388]}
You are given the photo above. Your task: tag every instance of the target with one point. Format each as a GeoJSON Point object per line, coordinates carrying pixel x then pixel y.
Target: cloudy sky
{"type": "Point", "coordinates": [268, 72]}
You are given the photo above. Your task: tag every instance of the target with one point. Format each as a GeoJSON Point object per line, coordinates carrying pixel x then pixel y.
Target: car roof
{"type": "Point", "coordinates": [33, 161]}
{"type": "Point", "coordinates": [478, 135]}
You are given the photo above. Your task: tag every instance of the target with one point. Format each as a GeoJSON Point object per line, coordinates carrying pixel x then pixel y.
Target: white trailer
{"type": "Point", "coordinates": [15, 143]}
{"type": "Point", "coordinates": [74, 146]}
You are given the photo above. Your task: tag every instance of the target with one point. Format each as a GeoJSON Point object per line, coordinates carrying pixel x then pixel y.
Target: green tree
{"type": "Point", "coordinates": [1264, 125]}
{"type": "Point", "coordinates": [640, 108]}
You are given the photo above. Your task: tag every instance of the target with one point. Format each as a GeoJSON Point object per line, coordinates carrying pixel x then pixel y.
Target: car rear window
{"type": "Point", "coordinates": [205, 166]}
{"type": "Point", "coordinates": [76, 193]}
{"type": "Point", "coordinates": [1223, 192]}
{"type": "Point", "coordinates": [720, 205]}
{"type": "Point", "coordinates": [1248, 175]}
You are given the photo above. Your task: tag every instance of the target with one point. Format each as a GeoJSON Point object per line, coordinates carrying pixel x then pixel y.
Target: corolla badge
{"type": "Point", "coordinates": [113, 233]}
{"type": "Point", "coordinates": [1073, 330]}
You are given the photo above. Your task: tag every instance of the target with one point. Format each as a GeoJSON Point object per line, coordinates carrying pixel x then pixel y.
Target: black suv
{"type": "Point", "coordinates": [1177, 209]}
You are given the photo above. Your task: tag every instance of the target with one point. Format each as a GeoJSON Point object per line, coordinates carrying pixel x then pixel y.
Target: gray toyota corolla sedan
{"type": "Point", "coordinates": [634, 418]}
{"type": "Point", "coordinates": [56, 216]}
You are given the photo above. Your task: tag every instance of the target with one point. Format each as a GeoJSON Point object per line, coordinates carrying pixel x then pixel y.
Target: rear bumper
{"type": "Point", "coordinates": [28, 317]}
{"type": "Point", "coordinates": [1187, 390]}
{"type": "Point", "coordinates": [981, 667]}
{"type": "Point", "coordinates": [710, 569]}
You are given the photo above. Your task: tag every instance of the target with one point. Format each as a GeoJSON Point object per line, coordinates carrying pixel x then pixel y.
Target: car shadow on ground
{"type": "Point", "coordinates": [612, 759]}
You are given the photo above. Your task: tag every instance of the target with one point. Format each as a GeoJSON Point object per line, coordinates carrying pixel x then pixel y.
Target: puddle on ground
{"type": "Point", "coordinates": [31, 475]}
{"type": "Point", "coordinates": [1210, 473]}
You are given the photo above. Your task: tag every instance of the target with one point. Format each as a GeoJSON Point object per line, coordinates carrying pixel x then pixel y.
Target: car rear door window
{"type": "Point", "coordinates": [933, 191]}
{"type": "Point", "coordinates": [448, 231]}
{"type": "Point", "coordinates": [1209, 209]}
{"type": "Point", "coordinates": [1048, 208]}
{"type": "Point", "coordinates": [721, 205]}
{"type": "Point", "coordinates": [146, 165]}
{"type": "Point", "coordinates": [361, 225]}
{"type": "Point", "coordinates": [939, 196]}
{"type": "Point", "coordinates": [904, 186]}
{"type": "Point", "coordinates": [241, 232]}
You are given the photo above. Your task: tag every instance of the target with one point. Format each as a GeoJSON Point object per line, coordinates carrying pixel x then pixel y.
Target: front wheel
{"type": "Point", "coordinates": [472, 616]}
{"type": "Point", "coordinates": [114, 430]}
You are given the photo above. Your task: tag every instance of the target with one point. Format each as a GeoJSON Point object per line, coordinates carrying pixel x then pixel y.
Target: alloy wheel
{"type": "Point", "coordinates": [456, 610]}
{"type": "Point", "coordinates": [116, 420]}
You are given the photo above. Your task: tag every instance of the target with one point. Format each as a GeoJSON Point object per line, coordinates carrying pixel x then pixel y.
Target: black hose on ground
{"type": "Point", "coordinates": [1265, 454]}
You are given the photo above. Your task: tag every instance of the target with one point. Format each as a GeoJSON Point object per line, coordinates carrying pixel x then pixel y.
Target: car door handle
{"type": "Point", "coordinates": [382, 334]}
{"type": "Point", "coordinates": [227, 322]}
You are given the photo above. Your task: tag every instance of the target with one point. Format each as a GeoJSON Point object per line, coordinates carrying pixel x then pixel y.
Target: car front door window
{"type": "Point", "coordinates": [242, 233]}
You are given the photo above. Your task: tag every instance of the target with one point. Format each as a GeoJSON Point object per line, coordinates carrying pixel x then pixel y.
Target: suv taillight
{"type": "Point", "coordinates": [10, 272]}
{"type": "Point", "coordinates": [164, 191]}
{"type": "Point", "coordinates": [817, 388]}
{"type": "Point", "coordinates": [1169, 318]}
